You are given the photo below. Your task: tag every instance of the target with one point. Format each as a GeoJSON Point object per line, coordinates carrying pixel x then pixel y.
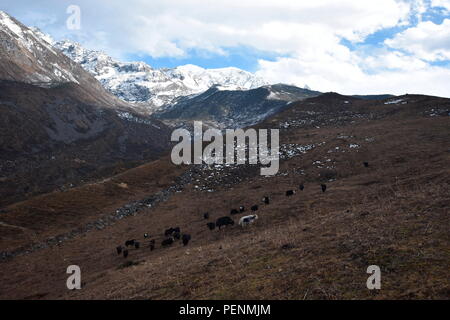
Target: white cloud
{"type": "Point", "coordinates": [389, 72]}
{"type": "Point", "coordinates": [441, 3]}
{"type": "Point", "coordinates": [418, 8]}
{"type": "Point", "coordinates": [384, 60]}
{"type": "Point", "coordinates": [172, 28]}
{"type": "Point", "coordinates": [306, 36]}
{"type": "Point", "coordinates": [427, 41]}
{"type": "Point", "coordinates": [373, 70]}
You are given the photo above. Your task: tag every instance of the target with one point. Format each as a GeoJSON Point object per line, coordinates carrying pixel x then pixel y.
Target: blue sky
{"type": "Point", "coordinates": [349, 46]}
{"type": "Point", "coordinates": [241, 57]}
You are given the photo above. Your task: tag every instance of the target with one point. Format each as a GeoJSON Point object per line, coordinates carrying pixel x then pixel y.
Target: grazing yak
{"type": "Point", "coordinates": [234, 211]}
{"type": "Point", "coordinates": [168, 232]}
{"type": "Point", "coordinates": [241, 209]}
{"type": "Point", "coordinates": [254, 208]}
{"type": "Point", "coordinates": [171, 231]}
{"type": "Point", "coordinates": [245, 221]}
{"type": "Point", "coordinates": [290, 193]}
{"type": "Point", "coordinates": [224, 221]}
{"type": "Point", "coordinates": [125, 253]}
{"type": "Point", "coordinates": [206, 216]}
{"type": "Point", "coordinates": [211, 225]}
{"type": "Point", "coordinates": [301, 187]}
{"type": "Point", "coordinates": [129, 243]}
{"type": "Point", "coordinates": [266, 200]}
{"type": "Point", "coordinates": [185, 238]}
{"type": "Point", "coordinates": [366, 164]}
{"type": "Point", "coordinates": [324, 187]}
{"type": "Point", "coordinates": [167, 242]}
{"type": "Point", "coordinates": [119, 250]}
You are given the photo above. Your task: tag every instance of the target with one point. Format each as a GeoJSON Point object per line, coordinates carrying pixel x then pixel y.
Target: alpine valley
{"type": "Point", "coordinates": [86, 179]}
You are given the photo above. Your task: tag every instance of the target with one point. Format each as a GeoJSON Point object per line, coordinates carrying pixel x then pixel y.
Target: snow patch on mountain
{"type": "Point", "coordinates": [20, 42]}
{"type": "Point", "coordinates": [26, 37]}
{"type": "Point", "coordinates": [7, 22]}
{"type": "Point", "coordinates": [137, 82]}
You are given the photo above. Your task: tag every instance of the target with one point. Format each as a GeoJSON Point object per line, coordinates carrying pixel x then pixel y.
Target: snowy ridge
{"type": "Point", "coordinates": [140, 83]}
{"type": "Point", "coordinates": [31, 42]}
{"type": "Point", "coordinates": [224, 97]}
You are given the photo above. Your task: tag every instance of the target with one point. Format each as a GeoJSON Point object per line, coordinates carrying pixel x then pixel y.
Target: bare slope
{"type": "Point", "coordinates": [59, 126]}
{"type": "Point", "coordinates": [393, 213]}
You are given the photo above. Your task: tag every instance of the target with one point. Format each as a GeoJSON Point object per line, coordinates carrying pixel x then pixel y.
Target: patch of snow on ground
{"type": "Point", "coordinates": [395, 101]}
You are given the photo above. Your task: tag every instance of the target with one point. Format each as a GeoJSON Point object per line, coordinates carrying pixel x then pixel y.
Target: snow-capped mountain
{"type": "Point", "coordinates": [224, 97]}
{"type": "Point", "coordinates": [25, 51]}
{"type": "Point", "coordinates": [140, 83]}
{"type": "Point", "coordinates": [52, 112]}
{"type": "Point", "coordinates": [200, 79]}
{"type": "Point", "coordinates": [27, 55]}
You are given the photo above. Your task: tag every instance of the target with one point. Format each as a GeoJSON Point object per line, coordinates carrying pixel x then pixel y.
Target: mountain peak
{"type": "Point", "coordinates": [191, 68]}
{"type": "Point", "coordinates": [139, 83]}
{"type": "Point", "coordinates": [23, 50]}
{"type": "Point", "coordinates": [47, 38]}
{"type": "Point", "coordinates": [9, 22]}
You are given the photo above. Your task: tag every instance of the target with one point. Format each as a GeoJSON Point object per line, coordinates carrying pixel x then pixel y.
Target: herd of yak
{"type": "Point", "coordinates": [173, 234]}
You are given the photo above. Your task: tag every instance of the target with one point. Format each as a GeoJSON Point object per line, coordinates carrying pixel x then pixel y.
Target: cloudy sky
{"type": "Point", "coordinates": [348, 46]}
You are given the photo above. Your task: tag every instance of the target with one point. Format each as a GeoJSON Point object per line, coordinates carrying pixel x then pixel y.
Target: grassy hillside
{"type": "Point", "coordinates": [313, 245]}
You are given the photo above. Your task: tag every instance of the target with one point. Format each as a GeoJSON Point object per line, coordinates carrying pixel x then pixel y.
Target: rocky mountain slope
{"type": "Point", "coordinates": [232, 108]}
{"type": "Point", "coordinates": [27, 57]}
{"type": "Point", "coordinates": [140, 83]}
{"type": "Point", "coordinates": [59, 125]}
{"type": "Point", "coordinates": [226, 97]}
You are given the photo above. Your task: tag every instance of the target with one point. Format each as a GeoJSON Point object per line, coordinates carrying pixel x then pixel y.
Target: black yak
{"type": "Point", "coordinates": [171, 231]}
{"type": "Point", "coordinates": [168, 232]}
{"type": "Point", "coordinates": [324, 187]}
{"type": "Point", "coordinates": [129, 243]}
{"type": "Point", "coordinates": [152, 244]}
{"type": "Point", "coordinates": [224, 221]}
{"type": "Point", "coordinates": [185, 238]}
{"type": "Point", "coordinates": [167, 242]}
{"type": "Point", "coordinates": [211, 225]}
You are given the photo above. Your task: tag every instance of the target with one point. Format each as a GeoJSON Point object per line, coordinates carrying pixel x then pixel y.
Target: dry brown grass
{"type": "Point", "coordinates": [313, 245]}
{"type": "Point", "coordinates": [60, 212]}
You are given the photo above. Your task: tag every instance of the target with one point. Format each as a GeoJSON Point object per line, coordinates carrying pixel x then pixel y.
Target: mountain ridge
{"type": "Point", "coordinates": [138, 82]}
{"type": "Point", "coordinates": [59, 125]}
{"type": "Point", "coordinates": [231, 108]}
